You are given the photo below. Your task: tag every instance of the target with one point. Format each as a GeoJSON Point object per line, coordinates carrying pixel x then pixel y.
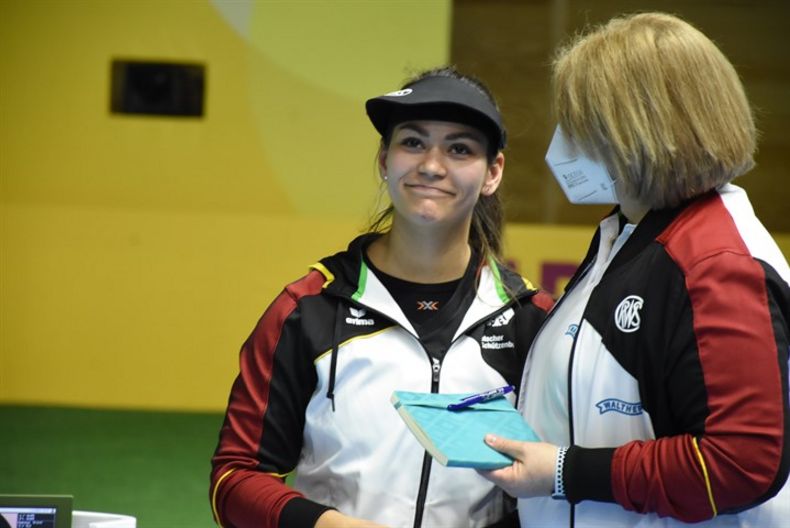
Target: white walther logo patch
{"type": "Point", "coordinates": [626, 316]}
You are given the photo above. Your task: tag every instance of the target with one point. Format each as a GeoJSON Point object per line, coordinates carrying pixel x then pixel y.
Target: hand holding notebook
{"type": "Point", "coordinates": [455, 437]}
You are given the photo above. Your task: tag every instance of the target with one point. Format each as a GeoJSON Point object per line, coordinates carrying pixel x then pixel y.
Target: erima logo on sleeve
{"type": "Point", "coordinates": [356, 317]}
{"type": "Point", "coordinates": [626, 315]}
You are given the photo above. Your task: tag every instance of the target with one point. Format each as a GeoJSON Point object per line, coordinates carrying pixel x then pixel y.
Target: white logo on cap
{"type": "Point", "coordinates": [399, 93]}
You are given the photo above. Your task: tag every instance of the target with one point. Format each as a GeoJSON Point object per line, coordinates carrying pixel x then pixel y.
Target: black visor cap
{"type": "Point", "coordinates": [440, 99]}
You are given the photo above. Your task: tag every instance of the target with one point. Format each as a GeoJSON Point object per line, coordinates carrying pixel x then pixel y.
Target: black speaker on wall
{"type": "Point", "coordinates": [157, 88]}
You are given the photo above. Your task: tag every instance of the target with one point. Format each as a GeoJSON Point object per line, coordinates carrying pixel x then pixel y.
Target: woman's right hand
{"type": "Point", "coordinates": [335, 519]}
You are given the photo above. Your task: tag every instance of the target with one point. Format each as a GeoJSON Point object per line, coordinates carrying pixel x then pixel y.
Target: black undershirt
{"type": "Point", "coordinates": [431, 307]}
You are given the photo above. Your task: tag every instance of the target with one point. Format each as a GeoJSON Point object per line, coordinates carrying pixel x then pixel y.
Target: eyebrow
{"type": "Point", "coordinates": [474, 136]}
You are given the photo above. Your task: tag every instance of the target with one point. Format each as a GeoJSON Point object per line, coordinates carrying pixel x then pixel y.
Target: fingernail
{"type": "Point", "coordinates": [490, 439]}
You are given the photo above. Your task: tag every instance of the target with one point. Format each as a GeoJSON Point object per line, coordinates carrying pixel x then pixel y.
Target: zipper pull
{"type": "Point", "coordinates": [436, 367]}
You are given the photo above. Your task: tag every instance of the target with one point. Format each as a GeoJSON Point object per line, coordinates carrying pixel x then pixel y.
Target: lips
{"type": "Point", "coordinates": [427, 190]}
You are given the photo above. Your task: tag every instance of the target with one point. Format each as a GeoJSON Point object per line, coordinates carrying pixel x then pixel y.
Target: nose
{"type": "Point", "coordinates": [432, 164]}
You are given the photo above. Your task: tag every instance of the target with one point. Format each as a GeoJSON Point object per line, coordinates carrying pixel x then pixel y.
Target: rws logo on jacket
{"type": "Point", "coordinates": [626, 315]}
{"type": "Point", "coordinates": [356, 317]}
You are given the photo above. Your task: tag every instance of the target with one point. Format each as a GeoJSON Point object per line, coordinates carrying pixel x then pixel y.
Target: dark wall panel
{"type": "Point", "coordinates": [510, 43]}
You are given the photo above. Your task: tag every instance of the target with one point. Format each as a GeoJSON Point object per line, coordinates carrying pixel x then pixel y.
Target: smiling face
{"type": "Point", "coordinates": [436, 171]}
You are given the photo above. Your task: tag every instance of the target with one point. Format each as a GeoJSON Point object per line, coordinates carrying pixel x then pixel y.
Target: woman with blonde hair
{"type": "Point", "coordinates": [659, 382]}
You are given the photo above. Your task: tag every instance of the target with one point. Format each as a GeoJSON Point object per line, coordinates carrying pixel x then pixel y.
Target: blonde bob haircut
{"type": "Point", "coordinates": [659, 104]}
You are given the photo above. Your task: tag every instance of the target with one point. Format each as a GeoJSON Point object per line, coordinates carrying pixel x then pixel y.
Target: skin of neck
{"type": "Point", "coordinates": [632, 208]}
{"type": "Point", "coordinates": [417, 254]}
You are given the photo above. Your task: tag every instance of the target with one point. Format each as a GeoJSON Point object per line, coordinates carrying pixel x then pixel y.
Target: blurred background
{"type": "Point", "coordinates": [166, 167]}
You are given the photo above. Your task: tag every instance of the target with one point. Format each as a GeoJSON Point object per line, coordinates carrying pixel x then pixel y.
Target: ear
{"type": "Point", "coordinates": [493, 175]}
{"type": "Point", "coordinates": [381, 161]}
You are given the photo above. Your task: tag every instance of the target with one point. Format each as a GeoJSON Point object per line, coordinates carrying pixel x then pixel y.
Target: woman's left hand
{"type": "Point", "coordinates": [532, 471]}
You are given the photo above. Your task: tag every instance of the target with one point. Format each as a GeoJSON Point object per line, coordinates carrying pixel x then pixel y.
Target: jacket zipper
{"type": "Point", "coordinates": [425, 475]}
{"type": "Point", "coordinates": [571, 357]}
{"type": "Point", "coordinates": [571, 435]}
{"type": "Point", "coordinates": [572, 513]}
{"type": "Point", "coordinates": [436, 366]}
{"type": "Point", "coordinates": [436, 369]}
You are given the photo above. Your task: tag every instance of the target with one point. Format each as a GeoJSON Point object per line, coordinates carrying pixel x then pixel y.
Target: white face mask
{"type": "Point", "coordinates": [583, 180]}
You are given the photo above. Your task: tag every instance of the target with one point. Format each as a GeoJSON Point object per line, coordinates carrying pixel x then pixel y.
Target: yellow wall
{"type": "Point", "coordinates": [136, 253]}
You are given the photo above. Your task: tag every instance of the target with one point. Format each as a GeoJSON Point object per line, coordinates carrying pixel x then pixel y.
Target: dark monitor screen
{"type": "Point", "coordinates": [35, 511]}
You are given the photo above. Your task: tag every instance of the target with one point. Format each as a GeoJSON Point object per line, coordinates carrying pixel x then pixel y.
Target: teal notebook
{"type": "Point", "coordinates": [455, 438]}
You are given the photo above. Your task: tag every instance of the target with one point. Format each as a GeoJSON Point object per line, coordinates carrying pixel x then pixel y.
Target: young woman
{"type": "Point", "coordinates": [420, 303]}
{"type": "Point", "coordinates": [662, 371]}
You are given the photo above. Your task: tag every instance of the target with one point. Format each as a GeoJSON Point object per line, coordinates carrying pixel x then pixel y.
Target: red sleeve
{"type": "Point", "coordinates": [543, 301]}
{"type": "Point", "coordinates": [251, 461]}
{"type": "Point", "coordinates": [737, 457]}
{"type": "Point", "coordinates": [249, 498]}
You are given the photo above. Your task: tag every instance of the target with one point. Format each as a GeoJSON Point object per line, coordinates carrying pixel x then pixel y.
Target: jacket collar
{"type": "Point", "coordinates": [652, 225]}
{"type": "Point", "coordinates": [348, 277]}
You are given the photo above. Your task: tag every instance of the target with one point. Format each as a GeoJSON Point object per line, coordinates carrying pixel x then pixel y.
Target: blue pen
{"type": "Point", "coordinates": [480, 398]}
